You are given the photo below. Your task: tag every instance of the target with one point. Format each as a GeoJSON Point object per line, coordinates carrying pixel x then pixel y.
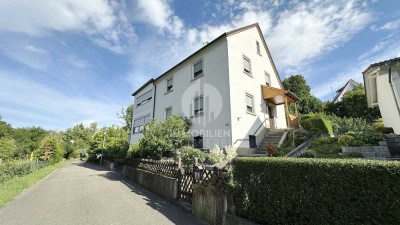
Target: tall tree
{"type": "Point", "coordinates": [298, 85]}
{"type": "Point", "coordinates": [126, 115]}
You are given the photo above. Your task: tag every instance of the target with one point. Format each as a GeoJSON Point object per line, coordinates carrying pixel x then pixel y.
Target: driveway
{"type": "Point", "coordinates": [82, 193]}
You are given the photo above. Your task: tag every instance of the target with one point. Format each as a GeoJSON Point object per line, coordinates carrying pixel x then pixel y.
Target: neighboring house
{"type": "Point", "coordinates": [229, 89]}
{"type": "Point", "coordinates": [382, 87]}
{"type": "Point", "coordinates": [349, 86]}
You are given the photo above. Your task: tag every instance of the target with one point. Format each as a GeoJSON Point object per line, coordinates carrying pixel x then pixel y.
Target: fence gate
{"type": "Point", "coordinates": [185, 182]}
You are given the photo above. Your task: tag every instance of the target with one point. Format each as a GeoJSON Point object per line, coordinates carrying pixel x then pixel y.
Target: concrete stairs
{"type": "Point", "coordinates": [272, 137]}
{"type": "Point", "coordinates": [393, 144]}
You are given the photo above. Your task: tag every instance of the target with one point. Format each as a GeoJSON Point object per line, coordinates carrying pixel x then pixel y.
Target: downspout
{"type": "Point", "coordinates": [396, 97]}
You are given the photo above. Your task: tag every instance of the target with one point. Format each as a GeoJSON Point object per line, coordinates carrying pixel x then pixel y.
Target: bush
{"type": "Point", "coordinates": [346, 140]}
{"type": "Point", "coordinates": [386, 130]}
{"type": "Point", "coordinates": [216, 155]}
{"type": "Point", "coordinates": [317, 123]}
{"type": "Point", "coordinates": [323, 140]}
{"type": "Point", "coordinates": [308, 154]}
{"type": "Point", "coordinates": [369, 137]}
{"type": "Point", "coordinates": [134, 151]}
{"type": "Point", "coordinates": [271, 150]}
{"type": "Point", "coordinates": [316, 191]}
{"type": "Point", "coordinates": [298, 136]}
{"type": "Point", "coordinates": [354, 155]}
{"type": "Point", "coordinates": [11, 169]}
{"type": "Point", "coordinates": [188, 153]}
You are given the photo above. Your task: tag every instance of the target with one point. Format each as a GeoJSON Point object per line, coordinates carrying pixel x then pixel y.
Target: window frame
{"type": "Point", "coordinates": [252, 112]}
{"type": "Point", "coordinates": [194, 77]}
{"type": "Point", "coordinates": [245, 58]}
{"type": "Point", "coordinates": [194, 106]}
{"type": "Point", "coordinates": [258, 48]}
{"type": "Point", "coordinates": [165, 114]}
{"type": "Point", "coordinates": [198, 141]}
{"type": "Point", "coordinates": [166, 85]}
{"type": "Point", "coordinates": [139, 128]}
{"type": "Point", "coordinates": [267, 78]}
{"type": "Point", "coordinates": [142, 102]}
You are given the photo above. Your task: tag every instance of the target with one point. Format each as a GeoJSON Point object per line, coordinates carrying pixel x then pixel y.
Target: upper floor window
{"type": "Point", "coordinates": [198, 142]}
{"type": "Point", "coordinates": [198, 106]}
{"type": "Point", "coordinates": [249, 103]}
{"type": "Point", "coordinates": [168, 112]}
{"type": "Point", "coordinates": [246, 65]}
{"type": "Point", "coordinates": [267, 78]}
{"type": "Point", "coordinates": [146, 97]}
{"type": "Point", "coordinates": [258, 47]}
{"type": "Point", "coordinates": [170, 84]}
{"type": "Point", "coordinates": [198, 69]}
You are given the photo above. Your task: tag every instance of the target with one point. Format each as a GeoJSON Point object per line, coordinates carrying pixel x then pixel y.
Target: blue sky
{"type": "Point", "coordinates": [69, 61]}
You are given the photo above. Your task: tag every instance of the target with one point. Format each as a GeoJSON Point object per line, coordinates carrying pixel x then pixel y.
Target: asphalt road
{"type": "Point", "coordinates": [81, 193]}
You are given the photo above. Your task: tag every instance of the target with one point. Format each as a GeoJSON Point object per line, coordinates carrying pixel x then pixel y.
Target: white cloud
{"type": "Point", "coordinates": [392, 25]}
{"type": "Point", "coordinates": [28, 99]}
{"type": "Point", "coordinates": [76, 62]}
{"type": "Point", "coordinates": [34, 49]}
{"type": "Point", "coordinates": [104, 21]}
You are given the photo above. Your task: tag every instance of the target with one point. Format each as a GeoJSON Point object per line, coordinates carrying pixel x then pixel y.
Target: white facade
{"type": "Point", "coordinates": [380, 92]}
{"type": "Point", "coordinates": [349, 86]}
{"type": "Point", "coordinates": [233, 105]}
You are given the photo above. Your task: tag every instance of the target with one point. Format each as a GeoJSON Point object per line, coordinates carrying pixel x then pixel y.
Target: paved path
{"type": "Point", "coordinates": [81, 193]}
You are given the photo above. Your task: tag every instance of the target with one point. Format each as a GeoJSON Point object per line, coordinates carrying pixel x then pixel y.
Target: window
{"type": "Point", "coordinates": [258, 47]}
{"type": "Point", "coordinates": [374, 93]}
{"type": "Point", "coordinates": [249, 103]}
{"type": "Point", "coordinates": [246, 65]}
{"type": "Point", "coordinates": [267, 78]}
{"type": "Point", "coordinates": [146, 97]}
{"type": "Point", "coordinates": [198, 106]}
{"type": "Point", "coordinates": [170, 84]}
{"type": "Point", "coordinates": [198, 69]}
{"type": "Point", "coordinates": [198, 142]}
{"type": "Point", "coordinates": [168, 112]}
{"type": "Point", "coordinates": [138, 124]}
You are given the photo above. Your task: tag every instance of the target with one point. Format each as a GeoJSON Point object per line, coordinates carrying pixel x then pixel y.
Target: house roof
{"type": "Point", "coordinates": [226, 34]}
{"type": "Point", "coordinates": [382, 63]}
{"type": "Point", "coordinates": [342, 89]}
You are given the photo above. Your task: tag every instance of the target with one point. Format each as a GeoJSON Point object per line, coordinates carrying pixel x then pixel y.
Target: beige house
{"type": "Point", "coordinates": [382, 87]}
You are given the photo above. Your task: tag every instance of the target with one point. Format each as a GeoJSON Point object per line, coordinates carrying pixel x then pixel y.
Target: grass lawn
{"type": "Point", "coordinates": [12, 188]}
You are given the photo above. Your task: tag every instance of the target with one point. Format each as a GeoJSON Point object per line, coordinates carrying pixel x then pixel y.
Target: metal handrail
{"type": "Point", "coordinates": [260, 125]}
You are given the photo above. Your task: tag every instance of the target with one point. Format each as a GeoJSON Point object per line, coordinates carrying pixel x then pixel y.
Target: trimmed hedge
{"type": "Point", "coordinates": [317, 191]}
{"type": "Point", "coordinates": [11, 169]}
{"type": "Point", "coordinates": [317, 123]}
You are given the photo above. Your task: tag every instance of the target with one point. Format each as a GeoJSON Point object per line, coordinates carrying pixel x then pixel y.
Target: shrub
{"type": "Point", "coordinates": [298, 136]}
{"type": "Point", "coordinates": [216, 155]}
{"type": "Point", "coordinates": [11, 169]}
{"type": "Point", "coordinates": [230, 153]}
{"type": "Point", "coordinates": [323, 140]}
{"type": "Point", "coordinates": [354, 155]}
{"type": "Point", "coordinates": [188, 153]}
{"type": "Point", "coordinates": [308, 154]}
{"type": "Point", "coordinates": [134, 151]}
{"type": "Point", "coordinates": [346, 140]}
{"type": "Point", "coordinates": [368, 137]}
{"type": "Point", "coordinates": [316, 191]}
{"type": "Point", "coordinates": [271, 150]}
{"type": "Point", "coordinates": [386, 130]}
{"type": "Point", "coordinates": [317, 123]}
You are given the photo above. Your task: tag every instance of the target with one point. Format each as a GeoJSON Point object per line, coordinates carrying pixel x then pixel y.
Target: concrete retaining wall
{"type": "Point", "coordinates": [165, 187]}
{"type": "Point", "coordinates": [109, 165]}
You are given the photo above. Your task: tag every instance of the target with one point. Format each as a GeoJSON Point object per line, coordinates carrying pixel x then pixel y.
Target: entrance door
{"type": "Point", "coordinates": [271, 117]}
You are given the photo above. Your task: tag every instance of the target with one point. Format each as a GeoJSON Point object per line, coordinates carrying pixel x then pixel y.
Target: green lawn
{"type": "Point", "coordinates": [12, 188]}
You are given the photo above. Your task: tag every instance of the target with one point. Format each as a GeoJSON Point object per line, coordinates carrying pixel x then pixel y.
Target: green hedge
{"type": "Point", "coordinates": [317, 191]}
{"type": "Point", "coordinates": [317, 123]}
{"type": "Point", "coordinates": [11, 169]}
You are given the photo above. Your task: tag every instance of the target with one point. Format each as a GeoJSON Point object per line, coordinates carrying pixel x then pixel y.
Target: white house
{"type": "Point", "coordinates": [382, 87]}
{"type": "Point", "coordinates": [349, 86]}
{"type": "Point", "coordinates": [229, 88]}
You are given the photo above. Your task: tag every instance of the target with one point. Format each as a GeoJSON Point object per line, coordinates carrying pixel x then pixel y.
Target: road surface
{"type": "Point", "coordinates": [82, 193]}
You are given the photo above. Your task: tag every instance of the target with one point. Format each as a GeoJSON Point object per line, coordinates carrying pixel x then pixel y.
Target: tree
{"type": "Point", "coordinates": [50, 149]}
{"type": "Point", "coordinates": [7, 148]}
{"type": "Point", "coordinates": [5, 128]}
{"type": "Point", "coordinates": [126, 115]}
{"type": "Point", "coordinates": [309, 103]}
{"type": "Point", "coordinates": [353, 105]}
{"type": "Point", "coordinates": [112, 141]}
{"type": "Point", "coordinates": [28, 139]}
{"type": "Point", "coordinates": [164, 135]}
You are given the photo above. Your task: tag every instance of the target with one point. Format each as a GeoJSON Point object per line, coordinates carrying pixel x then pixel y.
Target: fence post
{"type": "Point", "coordinates": [180, 171]}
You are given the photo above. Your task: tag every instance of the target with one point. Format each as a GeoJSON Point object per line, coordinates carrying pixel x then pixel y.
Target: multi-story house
{"type": "Point", "coordinates": [230, 89]}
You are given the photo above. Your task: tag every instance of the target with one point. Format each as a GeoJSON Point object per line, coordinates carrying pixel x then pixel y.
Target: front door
{"type": "Point", "coordinates": [271, 117]}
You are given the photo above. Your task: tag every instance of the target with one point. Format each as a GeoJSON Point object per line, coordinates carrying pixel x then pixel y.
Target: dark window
{"type": "Point", "coordinates": [198, 106]}
{"type": "Point", "coordinates": [258, 47]}
{"type": "Point", "coordinates": [246, 65]}
{"type": "Point", "coordinates": [170, 84]}
{"type": "Point", "coordinates": [198, 69]}
{"type": "Point", "coordinates": [198, 142]}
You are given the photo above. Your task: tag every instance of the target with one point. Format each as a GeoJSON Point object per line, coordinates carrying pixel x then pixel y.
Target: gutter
{"type": "Point", "coordinates": [154, 98]}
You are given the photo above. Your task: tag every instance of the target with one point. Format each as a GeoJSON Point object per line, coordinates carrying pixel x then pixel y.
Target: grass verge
{"type": "Point", "coordinates": [12, 188]}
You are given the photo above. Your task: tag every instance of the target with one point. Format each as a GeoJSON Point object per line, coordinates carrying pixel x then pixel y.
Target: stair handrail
{"type": "Point", "coordinates": [260, 126]}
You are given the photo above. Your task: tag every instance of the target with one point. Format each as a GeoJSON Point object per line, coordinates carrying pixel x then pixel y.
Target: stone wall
{"type": "Point", "coordinates": [165, 187]}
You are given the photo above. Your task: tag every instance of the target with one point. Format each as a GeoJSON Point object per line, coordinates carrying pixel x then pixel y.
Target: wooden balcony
{"type": "Point", "coordinates": [278, 96]}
